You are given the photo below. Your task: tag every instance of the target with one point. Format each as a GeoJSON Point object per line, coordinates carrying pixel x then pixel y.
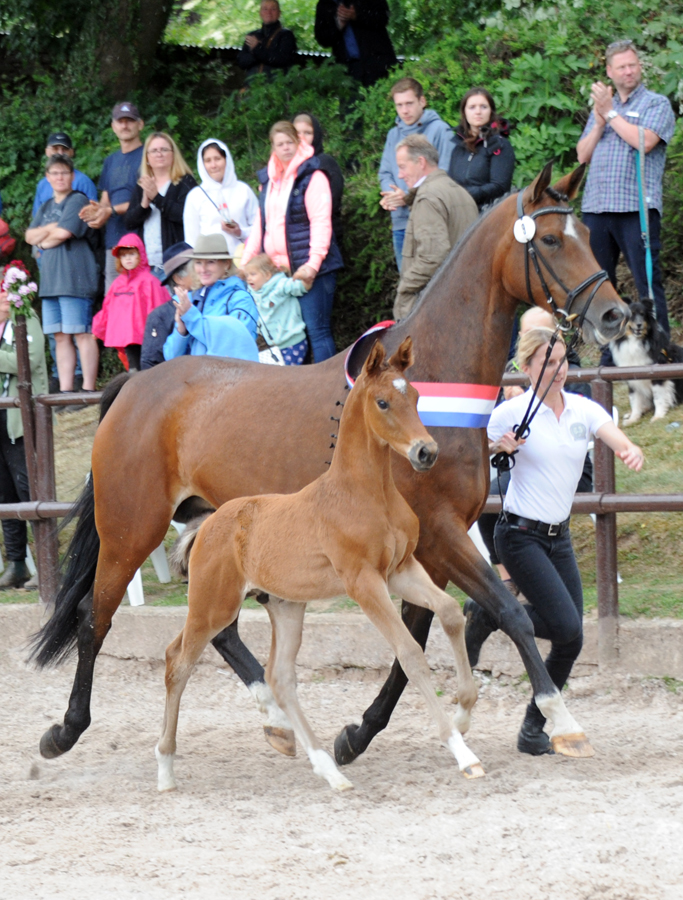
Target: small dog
{"type": "Point", "coordinates": [646, 343]}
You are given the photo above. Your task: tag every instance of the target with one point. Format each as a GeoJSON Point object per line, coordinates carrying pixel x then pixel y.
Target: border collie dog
{"type": "Point", "coordinates": [645, 343]}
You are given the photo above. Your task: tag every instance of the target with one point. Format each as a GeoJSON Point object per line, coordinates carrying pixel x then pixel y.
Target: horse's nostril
{"type": "Point", "coordinates": [424, 455]}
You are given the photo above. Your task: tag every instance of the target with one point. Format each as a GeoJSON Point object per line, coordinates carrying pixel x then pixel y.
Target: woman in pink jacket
{"type": "Point", "coordinates": [130, 299]}
{"type": "Point", "coordinates": [294, 227]}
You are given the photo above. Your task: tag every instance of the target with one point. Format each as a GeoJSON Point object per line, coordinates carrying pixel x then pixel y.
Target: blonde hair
{"type": "Point", "coordinates": [283, 127]}
{"type": "Point", "coordinates": [178, 167]}
{"type": "Point", "coordinates": [262, 264]}
{"type": "Point", "coordinates": [529, 342]}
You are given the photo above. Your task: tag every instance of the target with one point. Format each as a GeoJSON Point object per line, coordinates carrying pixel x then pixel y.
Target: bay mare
{"type": "Point", "coordinates": [216, 429]}
{"type": "Point", "coordinates": [349, 531]}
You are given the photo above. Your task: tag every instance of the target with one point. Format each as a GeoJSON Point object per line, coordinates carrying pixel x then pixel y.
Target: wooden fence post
{"type": "Point", "coordinates": [47, 548]}
{"type": "Point", "coordinates": [606, 542]}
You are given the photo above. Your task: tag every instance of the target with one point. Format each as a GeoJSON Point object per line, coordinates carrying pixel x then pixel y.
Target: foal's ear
{"type": "Point", "coordinates": [540, 183]}
{"type": "Point", "coordinates": [404, 356]}
{"type": "Point", "coordinates": [375, 361]}
{"type": "Point", "coordinates": [571, 183]}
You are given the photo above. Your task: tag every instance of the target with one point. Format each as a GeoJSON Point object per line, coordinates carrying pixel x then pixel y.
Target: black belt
{"type": "Point", "coordinates": [557, 529]}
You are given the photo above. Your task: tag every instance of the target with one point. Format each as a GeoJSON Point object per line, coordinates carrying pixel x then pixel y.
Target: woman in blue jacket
{"type": "Point", "coordinates": [220, 318]}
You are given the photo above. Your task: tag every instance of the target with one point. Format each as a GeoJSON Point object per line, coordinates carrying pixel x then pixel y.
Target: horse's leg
{"type": "Point", "coordinates": [471, 573]}
{"type": "Point", "coordinates": [277, 728]}
{"type": "Point", "coordinates": [287, 619]}
{"type": "Point", "coordinates": [414, 585]}
{"type": "Point", "coordinates": [369, 590]}
{"type": "Point", "coordinates": [215, 595]}
{"type": "Point", "coordinates": [354, 739]}
{"type": "Point", "coordinates": [95, 612]}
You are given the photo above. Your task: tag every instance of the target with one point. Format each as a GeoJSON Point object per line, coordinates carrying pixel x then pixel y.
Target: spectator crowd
{"type": "Point", "coordinates": [207, 266]}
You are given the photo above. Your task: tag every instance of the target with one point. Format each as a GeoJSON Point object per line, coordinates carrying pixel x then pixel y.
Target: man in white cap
{"type": "Point", "coordinates": [119, 176]}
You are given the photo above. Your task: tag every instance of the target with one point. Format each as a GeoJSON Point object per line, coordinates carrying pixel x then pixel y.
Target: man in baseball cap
{"type": "Point", "coordinates": [60, 142]}
{"type": "Point", "coordinates": [119, 177]}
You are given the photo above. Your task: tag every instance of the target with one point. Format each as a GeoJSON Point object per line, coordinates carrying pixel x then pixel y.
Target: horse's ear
{"type": "Point", "coordinates": [540, 183]}
{"type": "Point", "coordinates": [404, 356]}
{"type": "Point", "coordinates": [570, 184]}
{"type": "Point", "coordinates": [375, 360]}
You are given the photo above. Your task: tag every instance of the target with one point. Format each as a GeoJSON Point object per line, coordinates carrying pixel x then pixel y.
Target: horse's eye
{"type": "Point", "coordinates": [382, 404]}
{"type": "Point", "coordinates": [550, 240]}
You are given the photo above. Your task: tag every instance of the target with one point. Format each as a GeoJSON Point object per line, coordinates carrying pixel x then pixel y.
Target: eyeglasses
{"type": "Point", "coordinates": [158, 150]}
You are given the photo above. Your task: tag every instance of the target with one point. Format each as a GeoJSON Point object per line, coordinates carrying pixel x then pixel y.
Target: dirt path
{"type": "Point", "coordinates": [247, 823]}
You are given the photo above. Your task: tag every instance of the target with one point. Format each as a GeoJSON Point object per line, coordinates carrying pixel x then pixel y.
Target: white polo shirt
{"type": "Point", "coordinates": [549, 465]}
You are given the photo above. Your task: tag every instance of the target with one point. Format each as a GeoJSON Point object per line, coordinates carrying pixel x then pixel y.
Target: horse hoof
{"type": "Point", "coordinates": [281, 739]}
{"type": "Point", "coordinates": [344, 752]}
{"type": "Point", "coordinates": [575, 745]}
{"type": "Point", "coordinates": [475, 771]}
{"type": "Point", "coordinates": [49, 748]}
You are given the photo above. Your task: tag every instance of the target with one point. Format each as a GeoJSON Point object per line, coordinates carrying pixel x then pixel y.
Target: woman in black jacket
{"type": "Point", "coordinates": [310, 132]}
{"type": "Point", "coordinates": [483, 159]}
{"type": "Point", "coordinates": [158, 199]}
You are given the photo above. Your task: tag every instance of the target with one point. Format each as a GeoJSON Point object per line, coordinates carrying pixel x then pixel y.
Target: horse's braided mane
{"type": "Point", "coordinates": [557, 195]}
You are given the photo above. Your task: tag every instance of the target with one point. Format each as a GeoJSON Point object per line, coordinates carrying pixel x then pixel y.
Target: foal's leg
{"type": "Point", "coordinates": [414, 585]}
{"type": "Point", "coordinates": [277, 728]}
{"type": "Point", "coordinates": [370, 592]}
{"type": "Point", "coordinates": [287, 619]}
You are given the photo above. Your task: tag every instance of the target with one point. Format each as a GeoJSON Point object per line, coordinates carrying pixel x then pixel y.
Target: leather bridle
{"type": "Point", "coordinates": [566, 319]}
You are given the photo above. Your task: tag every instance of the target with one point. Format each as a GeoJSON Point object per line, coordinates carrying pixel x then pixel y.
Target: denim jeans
{"type": "Point", "coordinates": [316, 309]}
{"type": "Point", "coordinates": [398, 237]}
{"type": "Point", "coordinates": [612, 233]}
{"type": "Point", "coordinates": [544, 569]}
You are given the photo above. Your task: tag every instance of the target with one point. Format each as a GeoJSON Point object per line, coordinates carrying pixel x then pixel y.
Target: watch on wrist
{"type": "Point", "coordinates": [612, 114]}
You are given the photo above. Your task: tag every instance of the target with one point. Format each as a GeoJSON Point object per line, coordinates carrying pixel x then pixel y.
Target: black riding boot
{"type": "Point", "coordinates": [532, 739]}
{"type": "Point", "coordinates": [15, 575]}
{"type": "Point", "coordinates": [478, 626]}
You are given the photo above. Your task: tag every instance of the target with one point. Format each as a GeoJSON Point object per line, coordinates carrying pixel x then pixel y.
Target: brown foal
{"type": "Point", "coordinates": [349, 531]}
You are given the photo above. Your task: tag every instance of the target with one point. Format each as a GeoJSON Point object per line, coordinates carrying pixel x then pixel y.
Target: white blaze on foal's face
{"type": "Point", "coordinates": [400, 385]}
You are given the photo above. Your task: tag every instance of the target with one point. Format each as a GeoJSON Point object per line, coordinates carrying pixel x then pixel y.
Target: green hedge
{"type": "Point", "coordinates": [537, 60]}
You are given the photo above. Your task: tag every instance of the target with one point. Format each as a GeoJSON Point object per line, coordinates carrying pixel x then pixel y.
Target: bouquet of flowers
{"type": "Point", "coordinates": [21, 291]}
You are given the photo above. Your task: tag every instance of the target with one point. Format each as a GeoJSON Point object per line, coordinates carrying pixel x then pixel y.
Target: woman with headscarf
{"type": "Point", "coordinates": [294, 227]}
{"type": "Point", "coordinates": [310, 132]}
{"type": "Point", "coordinates": [221, 203]}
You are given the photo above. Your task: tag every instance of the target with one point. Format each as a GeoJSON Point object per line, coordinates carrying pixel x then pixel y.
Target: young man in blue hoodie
{"type": "Point", "coordinates": [412, 117]}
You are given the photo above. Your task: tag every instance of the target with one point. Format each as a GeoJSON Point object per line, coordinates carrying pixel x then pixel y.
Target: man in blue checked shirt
{"type": "Point", "coordinates": [609, 143]}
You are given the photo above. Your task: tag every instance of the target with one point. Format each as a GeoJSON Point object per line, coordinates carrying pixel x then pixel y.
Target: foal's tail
{"type": "Point", "coordinates": [179, 556]}
{"type": "Point", "coordinates": [57, 638]}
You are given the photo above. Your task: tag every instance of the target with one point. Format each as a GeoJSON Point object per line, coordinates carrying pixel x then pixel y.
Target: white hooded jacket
{"type": "Point", "coordinates": [201, 215]}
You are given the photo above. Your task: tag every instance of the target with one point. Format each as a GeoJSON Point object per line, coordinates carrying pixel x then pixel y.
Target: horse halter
{"type": "Point", "coordinates": [525, 229]}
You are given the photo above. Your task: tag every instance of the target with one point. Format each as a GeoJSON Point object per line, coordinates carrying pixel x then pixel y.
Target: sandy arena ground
{"type": "Point", "coordinates": [247, 823]}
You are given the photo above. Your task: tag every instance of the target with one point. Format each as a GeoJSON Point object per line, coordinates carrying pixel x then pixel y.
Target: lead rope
{"type": "Point", "coordinates": [643, 212]}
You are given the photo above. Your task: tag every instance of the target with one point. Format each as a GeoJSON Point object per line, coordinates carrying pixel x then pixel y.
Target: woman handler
{"type": "Point", "coordinates": [532, 534]}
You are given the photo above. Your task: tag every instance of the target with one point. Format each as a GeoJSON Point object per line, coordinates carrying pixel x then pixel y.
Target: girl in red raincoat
{"type": "Point", "coordinates": [131, 297]}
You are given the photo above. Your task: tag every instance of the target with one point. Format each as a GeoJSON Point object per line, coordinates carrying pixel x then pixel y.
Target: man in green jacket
{"type": "Point", "coordinates": [13, 475]}
{"type": "Point", "coordinates": [440, 213]}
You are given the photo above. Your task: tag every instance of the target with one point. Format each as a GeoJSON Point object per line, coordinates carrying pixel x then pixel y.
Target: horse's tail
{"type": "Point", "coordinates": [179, 557]}
{"type": "Point", "coordinates": [111, 392]}
{"type": "Point", "coordinates": [57, 638]}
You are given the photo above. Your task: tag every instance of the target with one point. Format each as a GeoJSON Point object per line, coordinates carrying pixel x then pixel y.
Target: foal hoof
{"type": "Point", "coordinates": [49, 748]}
{"type": "Point", "coordinates": [281, 739]}
{"type": "Point", "coordinates": [344, 752]}
{"type": "Point", "coordinates": [575, 745]}
{"type": "Point", "coordinates": [475, 771]}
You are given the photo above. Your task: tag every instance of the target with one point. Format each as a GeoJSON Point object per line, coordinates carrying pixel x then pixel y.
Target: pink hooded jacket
{"type": "Point", "coordinates": [318, 201]}
{"type": "Point", "coordinates": [130, 299]}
